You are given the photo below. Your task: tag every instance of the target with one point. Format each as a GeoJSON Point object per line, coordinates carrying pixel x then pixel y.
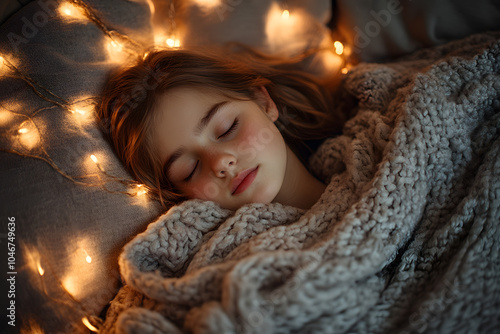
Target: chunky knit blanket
{"type": "Point", "coordinates": [405, 238]}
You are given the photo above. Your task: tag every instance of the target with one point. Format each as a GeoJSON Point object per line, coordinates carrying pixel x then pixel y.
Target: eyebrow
{"type": "Point", "coordinates": [199, 128]}
{"type": "Point", "coordinates": [208, 116]}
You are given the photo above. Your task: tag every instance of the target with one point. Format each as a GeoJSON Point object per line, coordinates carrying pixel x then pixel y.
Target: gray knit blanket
{"type": "Point", "coordinates": [405, 239]}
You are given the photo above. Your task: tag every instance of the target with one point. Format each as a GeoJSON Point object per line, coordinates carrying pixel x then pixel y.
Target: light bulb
{"type": "Point", "coordinates": [71, 12]}
{"type": "Point", "coordinates": [87, 323]}
{"type": "Point", "coordinates": [94, 159]}
{"type": "Point", "coordinates": [116, 45]}
{"type": "Point", "coordinates": [339, 47]}
{"type": "Point", "coordinates": [170, 42]}
{"type": "Point", "coordinates": [29, 136]}
{"type": "Point", "coordinates": [141, 190]}
{"type": "Point", "coordinates": [285, 14]}
{"type": "Point", "coordinates": [40, 269]}
{"type": "Point", "coordinates": [173, 42]}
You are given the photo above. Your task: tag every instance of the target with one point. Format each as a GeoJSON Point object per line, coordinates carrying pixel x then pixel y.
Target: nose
{"type": "Point", "coordinates": [223, 164]}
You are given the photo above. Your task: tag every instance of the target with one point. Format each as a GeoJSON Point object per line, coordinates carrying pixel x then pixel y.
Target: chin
{"type": "Point", "coordinates": [265, 196]}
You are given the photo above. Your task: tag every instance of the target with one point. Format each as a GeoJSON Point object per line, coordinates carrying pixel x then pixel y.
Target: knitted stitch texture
{"type": "Point", "coordinates": [405, 238]}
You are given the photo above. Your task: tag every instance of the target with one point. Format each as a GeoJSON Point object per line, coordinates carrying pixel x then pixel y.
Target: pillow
{"type": "Point", "coordinates": [9, 7]}
{"type": "Point", "coordinates": [381, 29]}
{"type": "Point", "coordinates": [68, 220]}
{"type": "Point", "coordinates": [70, 217]}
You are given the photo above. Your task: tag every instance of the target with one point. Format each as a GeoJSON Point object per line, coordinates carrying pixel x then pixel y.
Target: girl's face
{"type": "Point", "coordinates": [220, 149]}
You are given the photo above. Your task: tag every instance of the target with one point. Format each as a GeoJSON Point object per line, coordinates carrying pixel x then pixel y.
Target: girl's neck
{"type": "Point", "coordinates": [300, 188]}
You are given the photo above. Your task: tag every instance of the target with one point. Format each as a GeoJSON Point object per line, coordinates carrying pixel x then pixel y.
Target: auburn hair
{"type": "Point", "coordinates": [125, 109]}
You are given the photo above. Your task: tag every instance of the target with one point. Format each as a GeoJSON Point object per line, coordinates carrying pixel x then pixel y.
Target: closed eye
{"type": "Point", "coordinates": [233, 127]}
{"type": "Point", "coordinates": [192, 172]}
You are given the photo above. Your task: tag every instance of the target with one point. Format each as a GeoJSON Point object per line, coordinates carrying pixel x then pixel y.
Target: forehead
{"type": "Point", "coordinates": [177, 113]}
{"type": "Point", "coordinates": [184, 98]}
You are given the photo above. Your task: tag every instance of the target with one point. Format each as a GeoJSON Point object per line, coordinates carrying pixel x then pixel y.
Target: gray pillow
{"type": "Point", "coordinates": [70, 232]}
{"type": "Point", "coordinates": [59, 223]}
{"type": "Point", "coordinates": [381, 29]}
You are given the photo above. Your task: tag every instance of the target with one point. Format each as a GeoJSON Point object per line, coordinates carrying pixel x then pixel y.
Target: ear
{"type": "Point", "coordinates": [267, 104]}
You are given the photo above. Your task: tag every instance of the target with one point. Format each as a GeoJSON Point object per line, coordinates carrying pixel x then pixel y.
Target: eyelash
{"type": "Point", "coordinates": [191, 175]}
{"type": "Point", "coordinates": [233, 127]}
{"type": "Point", "coordinates": [230, 130]}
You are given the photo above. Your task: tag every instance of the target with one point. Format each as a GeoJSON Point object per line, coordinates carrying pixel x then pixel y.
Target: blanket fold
{"type": "Point", "coordinates": [404, 239]}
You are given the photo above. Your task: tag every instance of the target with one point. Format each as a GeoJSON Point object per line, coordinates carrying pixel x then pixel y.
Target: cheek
{"type": "Point", "coordinates": [203, 189]}
{"type": "Point", "coordinates": [256, 139]}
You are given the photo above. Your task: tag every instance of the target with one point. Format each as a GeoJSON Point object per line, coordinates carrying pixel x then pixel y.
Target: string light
{"type": "Point", "coordinates": [285, 14]}
{"type": "Point", "coordinates": [171, 41]}
{"type": "Point", "coordinates": [208, 4]}
{"type": "Point", "coordinates": [28, 135]}
{"type": "Point", "coordinates": [82, 110]}
{"type": "Point", "coordinates": [71, 12]}
{"type": "Point", "coordinates": [87, 323]}
{"type": "Point", "coordinates": [76, 110]}
{"type": "Point", "coordinates": [5, 117]}
{"type": "Point", "coordinates": [141, 190]}
{"type": "Point", "coordinates": [118, 47]}
{"type": "Point", "coordinates": [87, 256]}
{"type": "Point", "coordinates": [4, 65]}
{"type": "Point", "coordinates": [167, 35]}
{"type": "Point", "coordinates": [339, 47]}
{"type": "Point", "coordinates": [116, 51]}
{"type": "Point", "coordinates": [40, 269]}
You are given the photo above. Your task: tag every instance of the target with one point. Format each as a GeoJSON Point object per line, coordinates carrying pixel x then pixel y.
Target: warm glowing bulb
{"type": "Point", "coordinates": [339, 47]}
{"type": "Point", "coordinates": [344, 70]}
{"type": "Point", "coordinates": [93, 157]}
{"type": "Point", "coordinates": [170, 42]}
{"type": "Point", "coordinates": [117, 46]}
{"type": "Point", "coordinates": [87, 323]}
{"type": "Point", "coordinates": [141, 191]}
{"type": "Point", "coordinates": [208, 4]}
{"type": "Point", "coordinates": [5, 117]}
{"type": "Point", "coordinates": [116, 50]}
{"type": "Point", "coordinates": [67, 9]}
{"type": "Point", "coordinates": [77, 110]}
{"type": "Point", "coordinates": [71, 12]}
{"type": "Point", "coordinates": [285, 14]}
{"type": "Point", "coordinates": [1, 61]}
{"type": "Point", "coordinates": [28, 135]}
{"type": "Point", "coordinates": [88, 258]}
{"type": "Point", "coordinates": [40, 269]}
{"type": "Point", "coordinates": [173, 42]}
{"type": "Point", "coordinates": [82, 108]}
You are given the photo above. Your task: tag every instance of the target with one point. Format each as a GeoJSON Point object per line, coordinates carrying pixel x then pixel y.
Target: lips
{"type": "Point", "coordinates": [243, 180]}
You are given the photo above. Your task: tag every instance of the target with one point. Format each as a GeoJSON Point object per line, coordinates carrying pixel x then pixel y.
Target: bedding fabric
{"type": "Point", "coordinates": [404, 239]}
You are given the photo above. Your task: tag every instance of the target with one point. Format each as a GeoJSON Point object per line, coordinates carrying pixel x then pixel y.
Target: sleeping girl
{"type": "Point", "coordinates": [209, 126]}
